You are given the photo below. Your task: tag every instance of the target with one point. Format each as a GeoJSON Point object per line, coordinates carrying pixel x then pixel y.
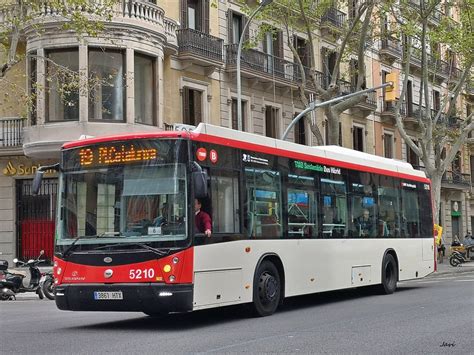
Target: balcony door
{"type": "Point", "coordinates": [271, 121]}
{"type": "Point", "coordinates": [192, 106]}
{"type": "Point", "coordinates": [273, 48]}
{"type": "Point", "coordinates": [195, 15]}
{"type": "Point", "coordinates": [409, 97]}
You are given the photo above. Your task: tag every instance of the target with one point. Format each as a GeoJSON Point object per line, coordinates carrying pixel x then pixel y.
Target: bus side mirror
{"type": "Point", "coordinates": [37, 182]}
{"type": "Point", "coordinates": [39, 176]}
{"type": "Point", "coordinates": [200, 184]}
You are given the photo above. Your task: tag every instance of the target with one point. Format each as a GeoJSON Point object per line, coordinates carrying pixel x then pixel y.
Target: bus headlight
{"type": "Point", "coordinates": [175, 260]}
{"type": "Point", "coordinates": [172, 278]}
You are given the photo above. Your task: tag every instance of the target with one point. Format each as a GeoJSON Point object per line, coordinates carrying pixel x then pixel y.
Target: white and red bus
{"type": "Point", "coordinates": [287, 220]}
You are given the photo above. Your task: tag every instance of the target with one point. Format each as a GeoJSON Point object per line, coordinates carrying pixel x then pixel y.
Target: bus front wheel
{"type": "Point", "coordinates": [389, 275]}
{"type": "Point", "coordinates": [266, 289]}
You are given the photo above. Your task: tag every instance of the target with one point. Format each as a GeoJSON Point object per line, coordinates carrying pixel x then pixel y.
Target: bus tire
{"type": "Point", "coordinates": [266, 289]}
{"type": "Point", "coordinates": [389, 275]}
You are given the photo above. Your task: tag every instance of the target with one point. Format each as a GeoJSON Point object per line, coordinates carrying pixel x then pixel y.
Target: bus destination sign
{"type": "Point", "coordinates": [115, 154]}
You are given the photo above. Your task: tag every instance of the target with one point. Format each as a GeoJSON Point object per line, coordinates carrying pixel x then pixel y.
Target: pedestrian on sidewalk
{"type": "Point", "coordinates": [469, 245]}
{"type": "Point", "coordinates": [440, 243]}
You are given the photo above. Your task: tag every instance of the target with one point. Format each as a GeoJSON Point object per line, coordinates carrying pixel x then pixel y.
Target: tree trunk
{"type": "Point", "coordinates": [333, 126]}
{"type": "Point", "coordinates": [436, 194]}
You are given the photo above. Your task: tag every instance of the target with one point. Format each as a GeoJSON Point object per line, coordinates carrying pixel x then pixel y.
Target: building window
{"type": "Point", "coordinates": [235, 121]}
{"type": "Point", "coordinates": [436, 101]}
{"type": "Point", "coordinates": [358, 138]}
{"type": "Point", "coordinates": [106, 85]}
{"type": "Point", "coordinates": [271, 119]}
{"type": "Point", "coordinates": [412, 158]}
{"type": "Point", "coordinates": [303, 49]}
{"type": "Point", "coordinates": [236, 25]}
{"type": "Point", "coordinates": [62, 86]}
{"type": "Point", "coordinates": [195, 15]}
{"type": "Point", "coordinates": [273, 48]}
{"type": "Point", "coordinates": [328, 64]}
{"type": "Point", "coordinates": [388, 143]}
{"type": "Point", "coordinates": [300, 131]}
{"type": "Point", "coordinates": [192, 106]}
{"type": "Point", "coordinates": [144, 83]}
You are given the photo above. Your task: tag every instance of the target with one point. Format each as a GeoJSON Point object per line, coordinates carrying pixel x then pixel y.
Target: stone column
{"type": "Point", "coordinates": [84, 85]}
{"type": "Point", "coordinates": [130, 85]}
{"type": "Point", "coordinates": [41, 85]}
{"type": "Point", "coordinates": [159, 87]}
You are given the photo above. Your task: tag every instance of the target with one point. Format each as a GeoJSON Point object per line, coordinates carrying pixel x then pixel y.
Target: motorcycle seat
{"type": "Point", "coordinates": [17, 272]}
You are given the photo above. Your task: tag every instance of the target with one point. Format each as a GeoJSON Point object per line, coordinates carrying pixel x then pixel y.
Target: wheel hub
{"type": "Point", "coordinates": [268, 287]}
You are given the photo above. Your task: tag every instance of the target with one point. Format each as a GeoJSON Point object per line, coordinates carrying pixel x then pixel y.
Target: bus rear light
{"type": "Point", "coordinates": [167, 268]}
{"type": "Point", "coordinates": [247, 249]}
{"type": "Point", "coordinates": [172, 278]}
{"type": "Point", "coordinates": [175, 260]}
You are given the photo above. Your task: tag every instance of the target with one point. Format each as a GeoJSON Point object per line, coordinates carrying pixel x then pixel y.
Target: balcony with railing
{"type": "Point", "coordinates": [264, 67]}
{"type": "Point", "coordinates": [332, 21]}
{"type": "Point", "coordinates": [415, 59]}
{"type": "Point", "coordinates": [390, 49]}
{"type": "Point", "coordinates": [366, 106]}
{"type": "Point", "coordinates": [200, 47]}
{"type": "Point", "coordinates": [389, 109]}
{"type": "Point", "coordinates": [126, 15]}
{"type": "Point", "coordinates": [11, 133]}
{"type": "Point", "coordinates": [456, 180]}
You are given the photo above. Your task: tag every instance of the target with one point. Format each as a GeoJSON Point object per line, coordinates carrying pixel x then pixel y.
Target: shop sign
{"type": "Point", "coordinates": [455, 212]}
{"type": "Point", "coordinates": [21, 169]}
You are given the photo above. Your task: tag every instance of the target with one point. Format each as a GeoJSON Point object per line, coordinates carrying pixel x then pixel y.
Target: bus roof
{"type": "Point", "coordinates": [331, 155]}
{"type": "Point", "coordinates": [339, 156]}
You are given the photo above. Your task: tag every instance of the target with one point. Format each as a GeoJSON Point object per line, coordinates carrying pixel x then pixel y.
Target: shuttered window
{"type": "Point", "coordinates": [192, 106]}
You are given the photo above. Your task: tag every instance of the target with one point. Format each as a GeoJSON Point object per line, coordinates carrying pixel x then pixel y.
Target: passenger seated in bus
{"type": "Point", "coordinates": [202, 219]}
{"type": "Point", "coordinates": [364, 225]}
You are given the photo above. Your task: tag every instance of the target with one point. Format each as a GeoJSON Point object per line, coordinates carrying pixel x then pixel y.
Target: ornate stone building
{"type": "Point", "coordinates": [164, 62]}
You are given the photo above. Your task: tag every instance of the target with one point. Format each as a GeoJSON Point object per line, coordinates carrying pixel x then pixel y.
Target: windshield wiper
{"type": "Point", "coordinates": [73, 244]}
{"type": "Point", "coordinates": [143, 245]}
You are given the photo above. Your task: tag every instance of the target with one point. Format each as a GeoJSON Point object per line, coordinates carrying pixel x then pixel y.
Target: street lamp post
{"type": "Point", "coordinates": [239, 53]}
{"type": "Point", "coordinates": [314, 105]}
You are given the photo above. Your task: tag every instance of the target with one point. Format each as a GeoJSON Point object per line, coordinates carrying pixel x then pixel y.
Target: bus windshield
{"type": "Point", "coordinates": [124, 203]}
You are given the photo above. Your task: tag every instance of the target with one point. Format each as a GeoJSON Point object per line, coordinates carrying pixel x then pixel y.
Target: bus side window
{"type": "Point", "coordinates": [225, 201]}
{"type": "Point", "coordinates": [410, 216]}
{"type": "Point", "coordinates": [264, 203]}
{"type": "Point", "coordinates": [302, 207]}
{"type": "Point", "coordinates": [334, 208]}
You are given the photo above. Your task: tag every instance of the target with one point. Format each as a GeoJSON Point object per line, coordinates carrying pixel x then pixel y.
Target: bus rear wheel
{"type": "Point", "coordinates": [389, 275]}
{"type": "Point", "coordinates": [266, 289]}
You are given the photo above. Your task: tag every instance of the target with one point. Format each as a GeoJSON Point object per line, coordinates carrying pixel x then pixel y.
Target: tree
{"type": "Point", "coordinates": [350, 38]}
{"type": "Point", "coordinates": [440, 133]}
{"type": "Point", "coordinates": [82, 17]}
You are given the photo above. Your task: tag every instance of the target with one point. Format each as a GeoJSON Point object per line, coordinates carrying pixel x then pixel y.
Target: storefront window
{"type": "Point", "coordinates": [62, 85]}
{"type": "Point", "coordinates": [106, 85]}
{"type": "Point", "coordinates": [144, 90]}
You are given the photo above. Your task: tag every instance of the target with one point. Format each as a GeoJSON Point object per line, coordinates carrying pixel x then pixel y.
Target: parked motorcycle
{"type": "Point", "coordinates": [457, 258]}
{"type": "Point", "coordinates": [12, 280]}
{"type": "Point", "coordinates": [47, 285]}
{"type": "Point", "coordinates": [6, 294]}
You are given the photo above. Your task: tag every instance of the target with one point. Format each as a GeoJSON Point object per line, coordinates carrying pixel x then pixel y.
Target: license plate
{"type": "Point", "coordinates": [109, 295]}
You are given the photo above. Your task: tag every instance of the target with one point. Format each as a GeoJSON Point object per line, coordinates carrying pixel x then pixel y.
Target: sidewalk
{"type": "Point", "coordinates": [446, 269]}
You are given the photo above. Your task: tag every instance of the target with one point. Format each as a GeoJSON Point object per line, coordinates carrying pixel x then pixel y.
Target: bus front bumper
{"type": "Point", "coordinates": [149, 298]}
